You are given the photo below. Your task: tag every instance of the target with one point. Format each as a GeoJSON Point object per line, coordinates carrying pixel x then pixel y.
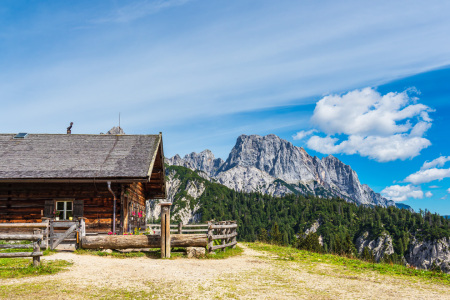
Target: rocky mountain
{"type": "Point", "coordinates": [203, 161]}
{"type": "Point", "coordinates": [116, 130]}
{"type": "Point", "coordinates": [380, 247]}
{"type": "Point", "coordinates": [271, 165]}
{"type": "Point", "coordinates": [430, 254]}
{"type": "Point", "coordinates": [184, 194]}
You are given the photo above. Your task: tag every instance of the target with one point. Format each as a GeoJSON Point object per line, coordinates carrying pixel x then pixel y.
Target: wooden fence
{"type": "Point", "coordinates": [66, 231]}
{"type": "Point", "coordinates": [226, 231]}
{"type": "Point", "coordinates": [38, 237]}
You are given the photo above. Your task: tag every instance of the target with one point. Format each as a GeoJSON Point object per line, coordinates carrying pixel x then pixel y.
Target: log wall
{"type": "Point", "coordinates": [25, 202]}
{"type": "Point", "coordinates": [134, 206]}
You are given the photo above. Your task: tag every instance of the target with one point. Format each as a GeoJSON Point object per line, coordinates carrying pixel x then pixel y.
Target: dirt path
{"type": "Point", "coordinates": [251, 275]}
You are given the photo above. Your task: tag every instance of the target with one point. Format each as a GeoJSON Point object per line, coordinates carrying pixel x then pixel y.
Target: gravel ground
{"type": "Point", "coordinates": [253, 275]}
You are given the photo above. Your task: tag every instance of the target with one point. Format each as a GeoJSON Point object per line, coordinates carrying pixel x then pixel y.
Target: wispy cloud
{"type": "Point", "coordinates": [136, 10]}
{"type": "Point", "coordinates": [206, 59]}
{"type": "Point", "coordinates": [438, 162]}
{"type": "Point", "coordinates": [303, 133]}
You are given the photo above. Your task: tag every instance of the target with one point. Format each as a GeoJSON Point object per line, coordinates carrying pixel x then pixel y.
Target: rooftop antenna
{"type": "Point", "coordinates": [119, 120]}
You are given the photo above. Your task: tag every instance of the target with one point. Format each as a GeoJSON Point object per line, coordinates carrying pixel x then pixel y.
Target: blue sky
{"type": "Point", "coordinates": [204, 72]}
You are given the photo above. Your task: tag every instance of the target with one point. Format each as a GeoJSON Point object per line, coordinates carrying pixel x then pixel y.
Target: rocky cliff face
{"type": "Point", "coordinates": [380, 247]}
{"type": "Point", "coordinates": [274, 166]}
{"type": "Point", "coordinates": [430, 254]}
{"type": "Point", "coordinates": [203, 161]}
{"type": "Point", "coordinates": [184, 198]}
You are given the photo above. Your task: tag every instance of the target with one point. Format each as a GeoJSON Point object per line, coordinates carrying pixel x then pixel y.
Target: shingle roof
{"type": "Point", "coordinates": [54, 156]}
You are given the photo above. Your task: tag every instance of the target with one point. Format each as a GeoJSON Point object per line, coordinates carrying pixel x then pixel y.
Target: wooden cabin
{"type": "Point", "coordinates": [67, 176]}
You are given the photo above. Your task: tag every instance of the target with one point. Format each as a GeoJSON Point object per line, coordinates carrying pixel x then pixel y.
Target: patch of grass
{"type": "Point", "coordinates": [54, 290]}
{"type": "Point", "coordinates": [229, 252]}
{"type": "Point", "coordinates": [355, 265]}
{"type": "Point", "coordinates": [22, 267]}
{"type": "Point", "coordinates": [50, 252]}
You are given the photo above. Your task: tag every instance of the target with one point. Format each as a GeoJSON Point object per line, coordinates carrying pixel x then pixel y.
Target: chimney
{"type": "Point", "coordinates": [69, 131]}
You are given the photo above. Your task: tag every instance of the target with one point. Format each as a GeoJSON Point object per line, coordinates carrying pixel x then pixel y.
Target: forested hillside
{"type": "Point", "coordinates": [334, 225]}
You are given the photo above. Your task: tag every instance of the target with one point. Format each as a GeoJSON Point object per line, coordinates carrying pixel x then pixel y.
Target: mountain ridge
{"type": "Point", "coordinates": [271, 165]}
{"type": "Point", "coordinates": [371, 232]}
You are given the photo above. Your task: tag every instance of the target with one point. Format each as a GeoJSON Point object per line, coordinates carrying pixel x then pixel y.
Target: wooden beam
{"type": "Point", "coordinates": [20, 246]}
{"type": "Point", "coordinates": [224, 236]}
{"type": "Point", "coordinates": [12, 236]}
{"type": "Point", "coordinates": [141, 241]}
{"type": "Point", "coordinates": [23, 225]}
{"type": "Point", "coordinates": [20, 254]}
{"type": "Point", "coordinates": [223, 226]}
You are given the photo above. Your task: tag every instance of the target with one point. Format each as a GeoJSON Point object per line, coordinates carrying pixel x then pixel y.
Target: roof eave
{"type": "Point", "coordinates": [72, 180]}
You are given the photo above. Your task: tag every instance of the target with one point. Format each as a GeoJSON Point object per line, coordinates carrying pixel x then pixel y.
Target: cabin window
{"type": "Point", "coordinates": [64, 210]}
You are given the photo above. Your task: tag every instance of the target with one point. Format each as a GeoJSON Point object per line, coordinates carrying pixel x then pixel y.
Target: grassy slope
{"type": "Point", "coordinates": [350, 264]}
{"type": "Point", "coordinates": [274, 272]}
{"type": "Point", "coordinates": [23, 267]}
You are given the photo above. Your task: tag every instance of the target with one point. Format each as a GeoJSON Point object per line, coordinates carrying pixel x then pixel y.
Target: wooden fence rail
{"type": "Point", "coordinates": [182, 228]}
{"type": "Point", "coordinates": [37, 237]}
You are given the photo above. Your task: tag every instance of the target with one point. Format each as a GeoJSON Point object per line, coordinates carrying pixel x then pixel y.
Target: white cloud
{"type": "Point", "coordinates": [402, 193]}
{"type": "Point", "coordinates": [302, 134]}
{"type": "Point", "coordinates": [448, 190]}
{"type": "Point", "coordinates": [383, 128]}
{"type": "Point", "coordinates": [424, 176]}
{"type": "Point", "coordinates": [428, 194]}
{"type": "Point", "coordinates": [380, 148]}
{"type": "Point", "coordinates": [438, 162]}
{"type": "Point", "coordinates": [365, 112]}
{"type": "Point", "coordinates": [434, 186]}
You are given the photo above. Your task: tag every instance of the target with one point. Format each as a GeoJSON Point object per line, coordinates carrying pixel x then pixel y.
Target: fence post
{"type": "Point", "coordinates": [82, 226]}
{"type": "Point", "coordinates": [210, 234]}
{"type": "Point", "coordinates": [228, 232]}
{"type": "Point", "coordinates": [180, 227]}
{"type": "Point", "coordinates": [46, 231]}
{"type": "Point", "coordinates": [52, 233]}
{"type": "Point", "coordinates": [223, 231]}
{"type": "Point", "coordinates": [234, 237]}
{"type": "Point", "coordinates": [36, 249]}
{"type": "Point", "coordinates": [165, 229]}
{"type": "Point", "coordinates": [81, 232]}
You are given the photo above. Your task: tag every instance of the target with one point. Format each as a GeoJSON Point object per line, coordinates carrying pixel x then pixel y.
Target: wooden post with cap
{"type": "Point", "coordinates": [165, 229]}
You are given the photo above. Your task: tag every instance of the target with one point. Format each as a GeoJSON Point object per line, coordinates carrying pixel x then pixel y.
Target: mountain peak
{"type": "Point", "coordinates": [203, 161]}
{"type": "Point", "coordinates": [270, 158]}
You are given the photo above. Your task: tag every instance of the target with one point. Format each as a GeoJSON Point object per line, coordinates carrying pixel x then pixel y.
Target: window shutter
{"type": "Point", "coordinates": [78, 208]}
{"type": "Point", "coordinates": [48, 208]}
